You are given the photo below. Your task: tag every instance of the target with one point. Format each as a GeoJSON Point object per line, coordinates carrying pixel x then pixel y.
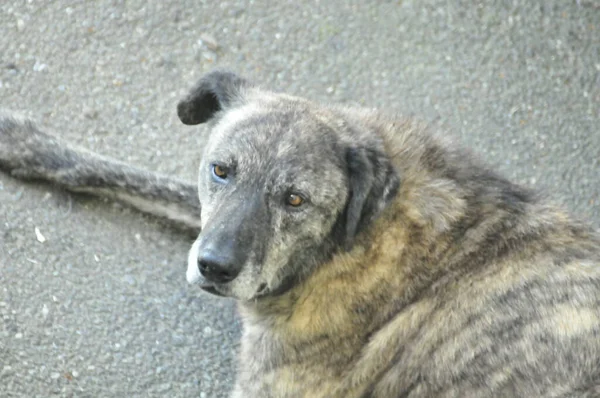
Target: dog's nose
{"type": "Point", "coordinates": [216, 268]}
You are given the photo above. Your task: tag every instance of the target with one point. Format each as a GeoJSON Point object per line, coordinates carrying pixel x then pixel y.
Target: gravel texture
{"type": "Point", "coordinates": [101, 308]}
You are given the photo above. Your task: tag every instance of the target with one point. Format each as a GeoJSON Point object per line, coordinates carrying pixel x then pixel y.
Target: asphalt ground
{"type": "Point", "coordinates": [101, 308]}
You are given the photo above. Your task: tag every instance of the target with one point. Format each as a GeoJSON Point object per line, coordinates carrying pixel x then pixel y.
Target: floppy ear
{"type": "Point", "coordinates": [374, 183]}
{"type": "Point", "coordinates": [214, 92]}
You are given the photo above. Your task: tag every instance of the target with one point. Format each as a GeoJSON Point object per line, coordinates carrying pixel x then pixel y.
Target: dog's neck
{"type": "Point", "coordinates": [363, 288]}
{"type": "Point", "coordinates": [340, 291]}
{"type": "Point", "coordinates": [417, 232]}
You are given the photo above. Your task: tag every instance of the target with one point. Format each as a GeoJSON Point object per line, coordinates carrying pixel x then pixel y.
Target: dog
{"type": "Point", "coordinates": [370, 257]}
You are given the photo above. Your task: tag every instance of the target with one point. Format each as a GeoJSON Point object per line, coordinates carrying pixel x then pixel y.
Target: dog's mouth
{"type": "Point", "coordinates": [262, 291]}
{"type": "Point", "coordinates": [212, 289]}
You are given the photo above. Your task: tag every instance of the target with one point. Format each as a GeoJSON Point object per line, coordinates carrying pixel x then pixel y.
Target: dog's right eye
{"type": "Point", "coordinates": [220, 172]}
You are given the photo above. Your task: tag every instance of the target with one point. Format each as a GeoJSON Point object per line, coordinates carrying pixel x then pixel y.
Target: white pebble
{"type": "Point", "coordinates": [41, 238]}
{"type": "Point", "coordinates": [209, 41]}
{"type": "Point", "coordinates": [39, 66]}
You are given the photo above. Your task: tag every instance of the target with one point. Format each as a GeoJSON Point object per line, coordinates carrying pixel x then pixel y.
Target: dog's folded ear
{"type": "Point", "coordinates": [215, 91]}
{"type": "Point", "coordinates": [373, 182]}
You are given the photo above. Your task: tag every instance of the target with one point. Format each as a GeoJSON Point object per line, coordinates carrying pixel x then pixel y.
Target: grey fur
{"type": "Point", "coordinates": [28, 153]}
{"type": "Point", "coordinates": [409, 270]}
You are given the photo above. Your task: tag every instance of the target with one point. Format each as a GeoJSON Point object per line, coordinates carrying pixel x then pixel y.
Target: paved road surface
{"type": "Point", "coordinates": [101, 308]}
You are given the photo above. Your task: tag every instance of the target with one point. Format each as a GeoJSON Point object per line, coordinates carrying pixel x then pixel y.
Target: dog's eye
{"type": "Point", "coordinates": [220, 172]}
{"type": "Point", "coordinates": [294, 200]}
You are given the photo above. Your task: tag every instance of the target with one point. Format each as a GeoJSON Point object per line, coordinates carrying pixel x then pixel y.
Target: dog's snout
{"type": "Point", "coordinates": [217, 268]}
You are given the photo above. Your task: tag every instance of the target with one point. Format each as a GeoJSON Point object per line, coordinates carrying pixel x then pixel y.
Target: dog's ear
{"type": "Point", "coordinates": [373, 183]}
{"type": "Point", "coordinates": [215, 91]}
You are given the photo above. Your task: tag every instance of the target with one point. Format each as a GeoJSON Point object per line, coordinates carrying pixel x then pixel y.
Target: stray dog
{"type": "Point", "coordinates": [369, 257]}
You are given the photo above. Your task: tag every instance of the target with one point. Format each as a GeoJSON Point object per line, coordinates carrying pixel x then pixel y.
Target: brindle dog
{"type": "Point", "coordinates": [369, 257]}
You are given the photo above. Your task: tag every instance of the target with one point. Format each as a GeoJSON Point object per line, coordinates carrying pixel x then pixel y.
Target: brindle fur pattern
{"type": "Point", "coordinates": [410, 270]}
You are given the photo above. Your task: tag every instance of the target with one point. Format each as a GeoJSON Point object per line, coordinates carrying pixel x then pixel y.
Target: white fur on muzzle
{"type": "Point", "coordinates": [193, 273]}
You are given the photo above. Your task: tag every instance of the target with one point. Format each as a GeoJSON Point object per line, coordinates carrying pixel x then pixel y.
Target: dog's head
{"type": "Point", "coordinates": [284, 183]}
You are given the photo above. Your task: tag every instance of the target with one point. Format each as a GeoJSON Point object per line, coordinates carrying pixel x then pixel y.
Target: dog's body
{"type": "Point", "coordinates": [369, 258]}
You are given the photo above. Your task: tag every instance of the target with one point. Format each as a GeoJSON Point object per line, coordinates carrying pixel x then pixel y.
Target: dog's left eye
{"type": "Point", "coordinates": [294, 200]}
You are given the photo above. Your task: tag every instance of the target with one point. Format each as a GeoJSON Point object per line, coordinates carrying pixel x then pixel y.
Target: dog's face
{"type": "Point", "coordinates": [282, 187]}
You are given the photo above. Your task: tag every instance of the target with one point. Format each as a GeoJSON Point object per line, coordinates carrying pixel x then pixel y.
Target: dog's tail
{"type": "Point", "coordinates": [29, 153]}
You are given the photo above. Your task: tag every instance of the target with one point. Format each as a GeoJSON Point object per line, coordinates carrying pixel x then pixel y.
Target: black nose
{"type": "Point", "coordinates": [217, 268]}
